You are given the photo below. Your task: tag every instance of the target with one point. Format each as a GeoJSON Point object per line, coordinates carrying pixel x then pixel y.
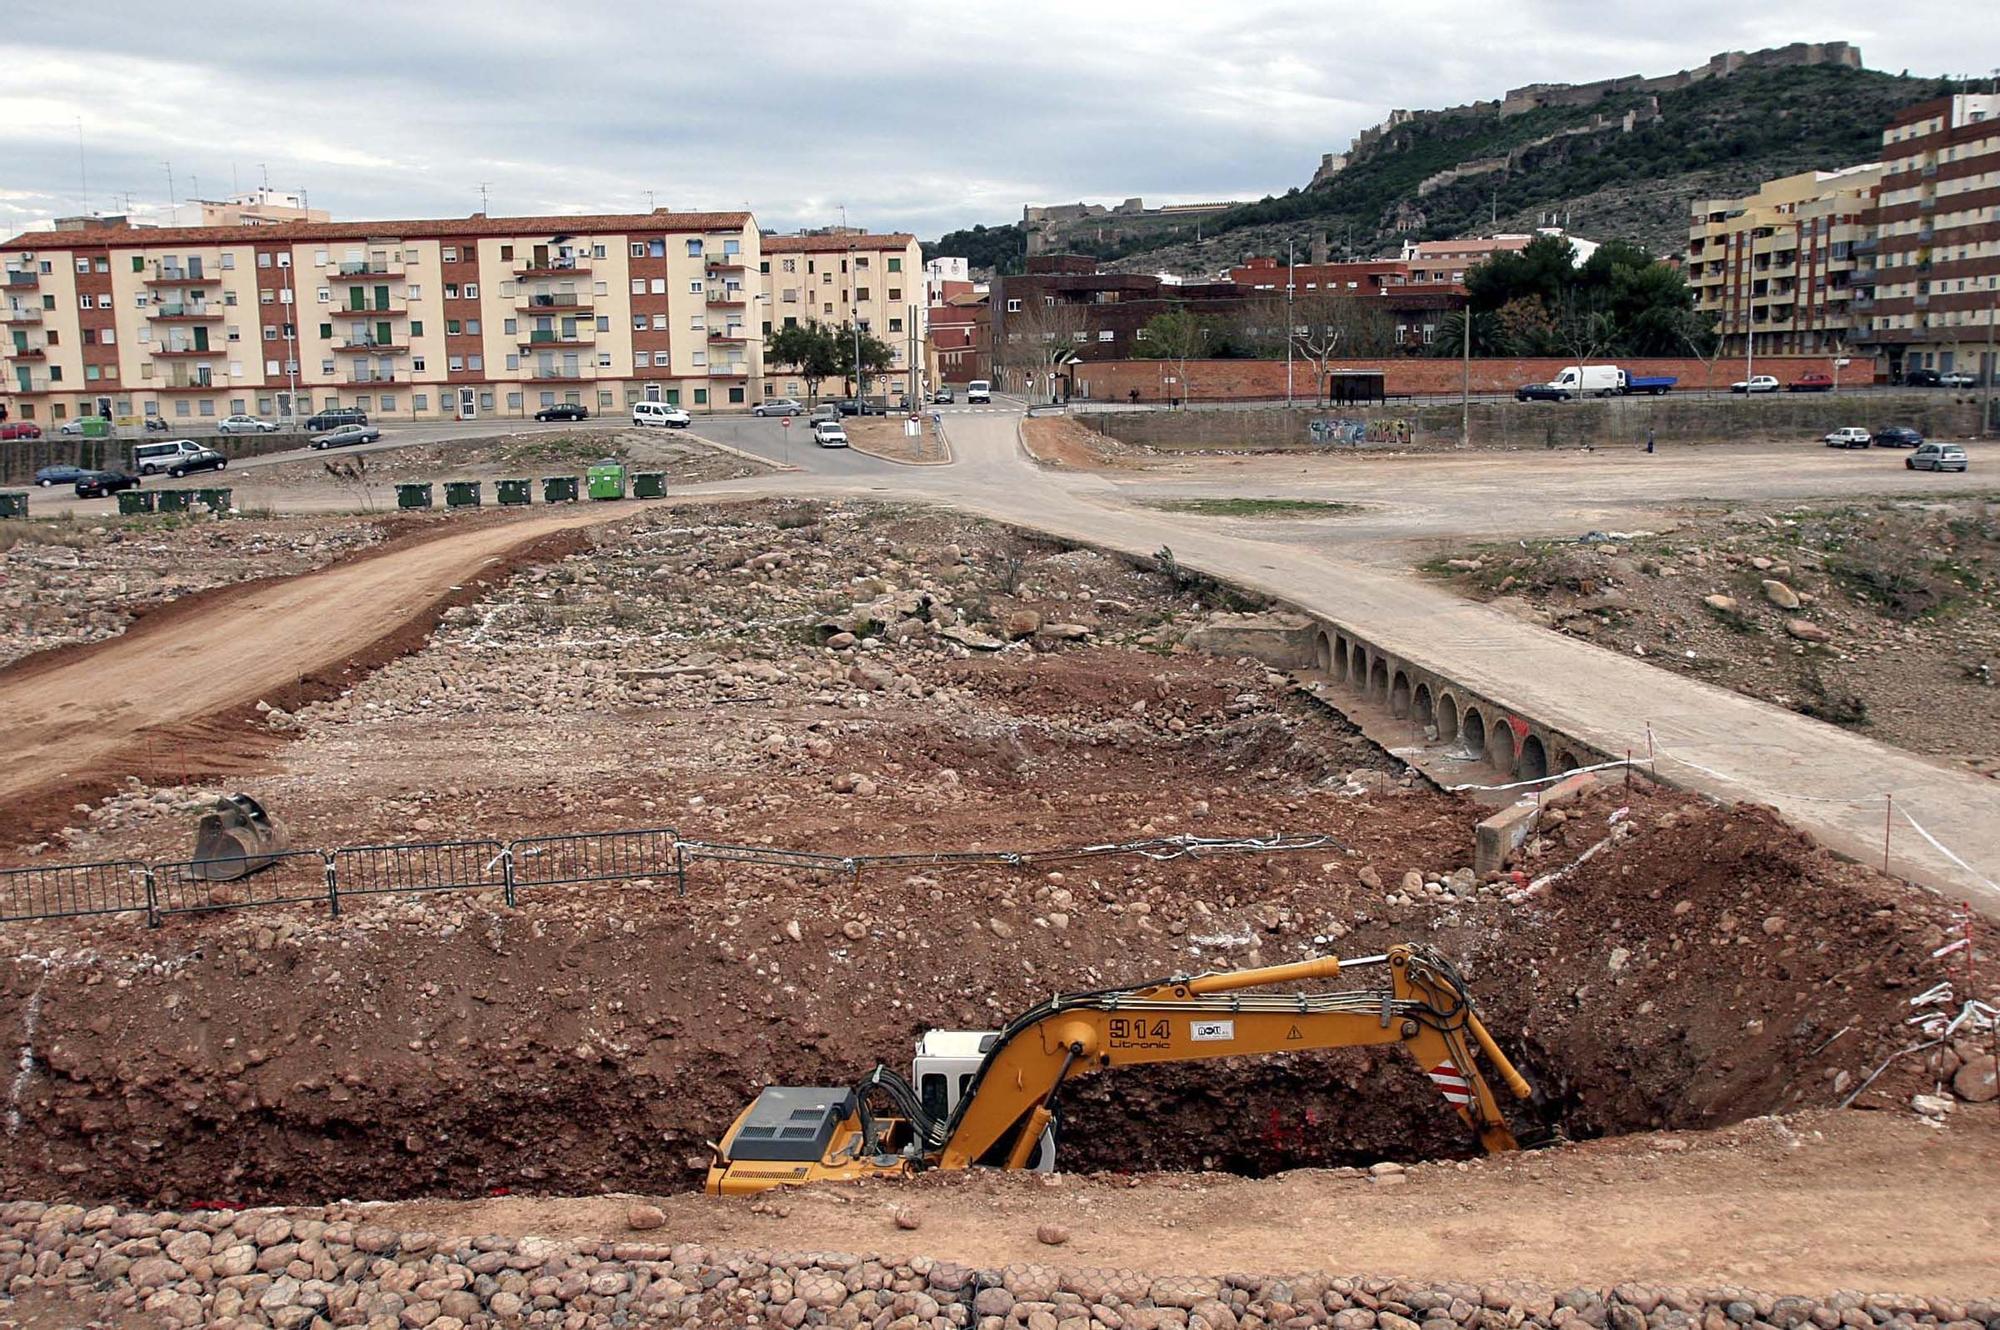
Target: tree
{"type": "Point", "coordinates": [809, 350]}
{"type": "Point", "coordinates": [1042, 337]}
{"type": "Point", "coordinates": [1327, 326]}
{"type": "Point", "coordinates": [1523, 327]}
{"type": "Point", "coordinates": [876, 355]}
{"type": "Point", "coordinates": [1620, 302]}
{"type": "Point", "coordinates": [1176, 336]}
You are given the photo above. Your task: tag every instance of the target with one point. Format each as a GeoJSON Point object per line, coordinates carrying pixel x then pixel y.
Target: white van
{"type": "Point", "coordinates": [979, 390]}
{"type": "Point", "coordinates": [151, 458]}
{"type": "Point", "coordinates": [660, 413]}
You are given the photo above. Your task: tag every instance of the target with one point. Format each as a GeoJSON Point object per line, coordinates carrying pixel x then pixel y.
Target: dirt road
{"type": "Point", "coordinates": [1806, 1205]}
{"type": "Point", "coordinates": [72, 713]}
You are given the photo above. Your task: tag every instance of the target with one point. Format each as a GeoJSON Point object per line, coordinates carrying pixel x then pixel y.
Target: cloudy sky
{"type": "Point", "coordinates": [914, 115]}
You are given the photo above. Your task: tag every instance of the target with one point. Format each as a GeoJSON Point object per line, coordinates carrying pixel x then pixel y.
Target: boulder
{"type": "Point", "coordinates": [1805, 630]}
{"type": "Point", "coordinates": [1023, 623]}
{"type": "Point", "coordinates": [1780, 595]}
{"type": "Point", "coordinates": [1720, 604]}
{"type": "Point", "coordinates": [1977, 1081]}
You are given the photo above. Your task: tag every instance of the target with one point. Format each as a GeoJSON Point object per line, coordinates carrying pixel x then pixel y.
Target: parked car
{"type": "Point", "coordinates": [829, 434]}
{"type": "Point", "coordinates": [779, 406]}
{"type": "Point", "coordinates": [347, 434]}
{"type": "Point", "coordinates": [247, 425]}
{"type": "Point", "coordinates": [979, 390]}
{"type": "Point", "coordinates": [660, 413]}
{"type": "Point", "coordinates": [1756, 383]}
{"type": "Point", "coordinates": [151, 458]}
{"type": "Point", "coordinates": [943, 396]}
{"type": "Point", "coordinates": [1938, 457]}
{"type": "Point", "coordinates": [333, 417]}
{"type": "Point", "coordinates": [73, 427]}
{"type": "Point", "coordinates": [20, 429]}
{"type": "Point", "coordinates": [1897, 436]}
{"type": "Point", "coordinates": [97, 484]}
{"type": "Point", "coordinates": [562, 411]}
{"type": "Point", "coordinates": [202, 459]}
{"type": "Point", "coordinates": [1848, 436]}
{"type": "Point", "coordinates": [1814, 382]}
{"type": "Point", "coordinates": [63, 474]}
{"type": "Point", "coordinates": [1540, 392]}
{"type": "Point", "coordinates": [1923, 378]}
{"type": "Point", "coordinates": [1956, 379]}
{"type": "Point", "coordinates": [824, 411]}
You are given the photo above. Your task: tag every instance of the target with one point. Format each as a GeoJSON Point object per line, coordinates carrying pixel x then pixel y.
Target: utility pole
{"type": "Point", "coordinates": [1465, 387]}
{"type": "Point", "coordinates": [1991, 370]}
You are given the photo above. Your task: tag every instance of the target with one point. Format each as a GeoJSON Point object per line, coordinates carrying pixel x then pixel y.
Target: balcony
{"type": "Point", "coordinates": [1863, 275]}
{"type": "Point", "coordinates": [1926, 233]}
{"type": "Point", "coordinates": [1861, 304]}
{"type": "Point", "coordinates": [1927, 204]}
{"type": "Point", "coordinates": [544, 264]}
{"type": "Point", "coordinates": [31, 351]}
{"type": "Point", "coordinates": [19, 315]}
{"type": "Point", "coordinates": [17, 383]}
{"type": "Point", "coordinates": [725, 263]}
{"type": "Point", "coordinates": [1921, 300]}
{"type": "Point", "coordinates": [728, 371]}
{"type": "Point", "coordinates": [372, 380]}
{"type": "Point", "coordinates": [159, 274]}
{"type": "Point", "coordinates": [558, 337]}
{"type": "Point", "coordinates": [369, 346]}
{"type": "Point", "coordinates": [177, 351]}
{"type": "Point", "coordinates": [553, 374]}
{"type": "Point", "coordinates": [730, 296]}
{"type": "Point", "coordinates": [363, 269]}
{"type": "Point", "coordinates": [395, 305]}
{"type": "Point", "coordinates": [183, 383]}
{"type": "Point", "coordinates": [1867, 244]}
{"type": "Point", "coordinates": [1929, 169]}
{"type": "Point", "coordinates": [192, 312]}
{"type": "Point", "coordinates": [733, 334]}
{"type": "Point", "coordinates": [18, 277]}
{"type": "Point", "coordinates": [533, 302]}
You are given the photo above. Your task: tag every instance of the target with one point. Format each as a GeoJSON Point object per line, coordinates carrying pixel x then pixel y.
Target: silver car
{"type": "Point", "coordinates": [247, 425]}
{"type": "Point", "coordinates": [779, 406]}
{"type": "Point", "coordinates": [1938, 457]}
{"type": "Point", "coordinates": [347, 434]}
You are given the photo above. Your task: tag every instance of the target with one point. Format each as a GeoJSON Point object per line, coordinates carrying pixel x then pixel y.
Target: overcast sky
{"type": "Point", "coordinates": [919, 116]}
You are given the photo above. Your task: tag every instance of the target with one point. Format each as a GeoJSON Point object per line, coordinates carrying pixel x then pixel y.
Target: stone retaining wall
{"type": "Point", "coordinates": [306, 1269]}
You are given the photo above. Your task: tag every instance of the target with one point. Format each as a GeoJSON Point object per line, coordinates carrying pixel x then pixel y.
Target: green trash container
{"type": "Point", "coordinates": [13, 505]}
{"type": "Point", "coordinates": [649, 485]}
{"type": "Point", "coordinates": [216, 501]}
{"type": "Point", "coordinates": [175, 501]}
{"type": "Point", "coordinates": [134, 503]}
{"type": "Point", "coordinates": [95, 427]}
{"type": "Point", "coordinates": [513, 493]}
{"type": "Point", "coordinates": [461, 494]}
{"type": "Point", "coordinates": [607, 480]}
{"type": "Point", "coordinates": [413, 496]}
{"type": "Point", "coordinates": [558, 489]}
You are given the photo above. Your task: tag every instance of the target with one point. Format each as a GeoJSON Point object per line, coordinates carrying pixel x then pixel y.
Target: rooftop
{"type": "Point", "coordinates": [836, 244]}
{"type": "Point", "coordinates": [478, 224]}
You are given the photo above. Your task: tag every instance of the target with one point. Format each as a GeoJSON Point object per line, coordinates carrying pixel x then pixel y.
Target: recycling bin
{"type": "Point", "coordinates": [607, 480]}
{"type": "Point", "coordinates": [461, 494]}
{"type": "Point", "coordinates": [13, 505]}
{"type": "Point", "coordinates": [513, 493]}
{"type": "Point", "coordinates": [175, 501]}
{"type": "Point", "coordinates": [413, 496]}
{"type": "Point", "coordinates": [649, 485]}
{"type": "Point", "coordinates": [135, 503]}
{"type": "Point", "coordinates": [216, 500]}
{"type": "Point", "coordinates": [559, 489]}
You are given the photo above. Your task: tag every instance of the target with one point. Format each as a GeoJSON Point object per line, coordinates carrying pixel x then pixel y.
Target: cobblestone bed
{"type": "Point", "coordinates": [305, 1269]}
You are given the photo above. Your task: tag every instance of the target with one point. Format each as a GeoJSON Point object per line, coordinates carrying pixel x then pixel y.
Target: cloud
{"type": "Point", "coordinates": [920, 117]}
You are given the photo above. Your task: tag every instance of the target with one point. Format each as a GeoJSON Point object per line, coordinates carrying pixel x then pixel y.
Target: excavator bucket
{"type": "Point", "coordinates": [237, 838]}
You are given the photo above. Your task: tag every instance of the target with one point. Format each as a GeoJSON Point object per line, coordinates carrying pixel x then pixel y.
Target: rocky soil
{"type": "Point", "coordinates": [1883, 615]}
{"type": "Point", "coordinates": [333, 1267]}
{"type": "Point", "coordinates": [65, 583]}
{"type": "Point", "coordinates": [847, 678]}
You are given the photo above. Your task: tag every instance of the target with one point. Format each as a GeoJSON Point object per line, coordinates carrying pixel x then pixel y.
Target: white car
{"type": "Point", "coordinates": [246, 425]}
{"type": "Point", "coordinates": [829, 434]}
{"type": "Point", "coordinates": [1955, 379]}
{"type": "Point", "coordinates": [73, 426]}
{"type": "Point", "coordinates": [1756, 383]}
{"type": "Point", "coordinates": [1848, 436]}
{"type": "Point", "coordinates": [660, 413]}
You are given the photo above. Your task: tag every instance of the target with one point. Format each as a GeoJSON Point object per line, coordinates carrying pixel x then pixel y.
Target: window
{"type": "Point", "coordinates": [451, 290]}
{"type": "Point", "coordinates": [513, 360]}
{"type": "Point", "coordinates": [895, 265]}
{"type": "Point", "coordinates": [732, 246]}
{"type": "Point", "coordinates": [104, 301]}
{"type": "Point", "coordinates": [656, 249]}
{"type": "Point", "coordinates": [326, 332]}
{"type": "Point", "coordinates": [472, 291]}
{"type": "Point", "coordinates": [228, 262]}
{"type": "Point", "coordinates": [1105, 335]}
{"type": "Point", "coordinates": [861, 293]}
{"type": "Point", "coordinates": [1013, 307]}
{"type": "Point", "coordinates": [604, 396]}
{"type": "Point", "coordinates": [604, 360]}
{"type": "Point", "coordinates": [138, 263]}
{"type": "Point", "coordinates": [510, 325]}
{"type": "Point", "coordinates": [790, 265]}
{"type": "Point", "coordinates": [420, 402]}
{"type": "Point", "coordinates": [326, 367]}
{"type": "Point", "coordinates": [455, 364]}
{"type": "Point", "coordinates": [506, 252]}
{"type": "Point", "coordinates": [694, 249]}
{"type": "Point", "coordinates": [696, 322]}
{"type": "Point", "coordinates": [472, 327]}
{"type": "Point", "coordinates": [641, 359]}
{"type": "Point", "coordinates": [701, 397]}
{"type": "Point", "coordinates": [604, 323]}
{"type": "Point", "coordinates": [415, 291]}
{"type": "Point", "coordinates": [767, 327]}
{"type": "Point", "coordinates": [451, 254]}
{"type": "Point", "coordinates": [452, 327]}
{"type": "Point", "coordinates": [270, 334]}
{"type": "Point", "coordinates": [475, 363]}
{"type": "Point", "coordinates": [660, 359]}
{"type": "Point", "coordinates": [895, 293]}
{"type": "Point", "coordinates": [325, 296]}
{"type": "Point", "coordinates": [83, 301]}
{"type": "Point", "coordinates": [659, 323]}
{"type": "Point", "coordinates": [735, 395]}
{"type": "Point", "coordinates": [284, 260]}
{"type": "Point", "coordinates": [417, 366]}
{"type": "Point", "coordinates": [694, 287]}
{"type": "Point", "coordinates": [638, 323]}
{"type": "Point", "coordinates": [263, 261]}
{"type": "Point", "coordinates": [92, 373]}
{"type": "Point", "coordinates": [860, 262]}
{"type": "Point", "coordinates": [638, 286]}
{"type": "Point", "coordinates": [597, 251]}
{"type": "Point", "coordinates": [416, 327]}
{"type": "Point", "coordinates": [658, 286]}
{"type": "Point", "coordinates": [895, 325]}
{"type": "Point", "coordinates": [207, 405]}
{"type": "Point", "coordinates": [83, 266]}
{"type": "Point", "coordinates": [638, 249]}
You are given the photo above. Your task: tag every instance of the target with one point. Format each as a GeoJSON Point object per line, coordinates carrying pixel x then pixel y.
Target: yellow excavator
{"type": "Point", "coordinates": [989, 1097]}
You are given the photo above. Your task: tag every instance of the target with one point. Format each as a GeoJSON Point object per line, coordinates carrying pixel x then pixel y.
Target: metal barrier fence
{"type": "Point", "coordinates": [297, 877]}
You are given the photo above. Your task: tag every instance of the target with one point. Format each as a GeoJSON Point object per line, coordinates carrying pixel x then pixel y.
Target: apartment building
{"type": "Point", "coordinates": [1785, 271]}
{"type": "Point", "coordinates": [1448, 260]}
{"type": "Point", "coordinates": [1414, 301]}
{"type": "Point", "coordinates": [1936, 281]}
{"type": "Point", "coordinates": [841, 276]}
{"type": "Point", "coordinates": [960, 336]}
{"type": "Point", "coordinates": [456, 317]}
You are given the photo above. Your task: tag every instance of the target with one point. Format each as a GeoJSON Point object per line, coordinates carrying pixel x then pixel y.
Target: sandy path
{"type": "Point", "coordinates": [1808, 1205]}
{"type": "Point", "coordinates": [68, 714]}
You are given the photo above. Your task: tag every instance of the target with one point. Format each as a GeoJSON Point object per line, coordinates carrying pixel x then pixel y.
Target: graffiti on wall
{"type": "Point", "coordinates": [1356, 432]}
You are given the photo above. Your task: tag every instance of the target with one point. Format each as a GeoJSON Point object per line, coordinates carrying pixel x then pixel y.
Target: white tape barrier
{"type": "Point", "coordinates": [1559, 776]}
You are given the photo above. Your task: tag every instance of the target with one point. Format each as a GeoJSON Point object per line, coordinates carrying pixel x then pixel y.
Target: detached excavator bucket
{"type": "Point", "coordinates": [237, 838]}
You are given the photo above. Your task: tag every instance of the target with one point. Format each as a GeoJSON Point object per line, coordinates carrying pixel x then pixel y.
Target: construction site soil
{"type": "Point", "coordinates": [862, 678]}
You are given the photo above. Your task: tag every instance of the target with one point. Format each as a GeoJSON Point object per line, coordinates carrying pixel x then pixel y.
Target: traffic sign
{"type": "Point", "coordinates": [786, 421]}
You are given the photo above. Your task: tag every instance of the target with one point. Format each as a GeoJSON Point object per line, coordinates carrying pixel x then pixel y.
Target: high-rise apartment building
{"type": "Point", "coordinates": [836, 278]}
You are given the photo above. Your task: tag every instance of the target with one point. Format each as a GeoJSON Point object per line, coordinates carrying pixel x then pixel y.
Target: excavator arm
{"type": "Point", "coordinates": [1423, 1007]}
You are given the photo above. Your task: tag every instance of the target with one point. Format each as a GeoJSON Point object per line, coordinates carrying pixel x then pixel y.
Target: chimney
{"type": "Point", "coordinates": [1317, 248]}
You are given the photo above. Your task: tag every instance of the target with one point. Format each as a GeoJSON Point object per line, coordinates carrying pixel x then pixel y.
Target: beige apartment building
{"type": "Point", "coordinates": [456, 317]}
{"type": "Point", "coordinates": [1789, 265]}
{"type": "Point", "coordinates": [877, 281]}
{"type": "Point", "coordinates": [1936, 293]}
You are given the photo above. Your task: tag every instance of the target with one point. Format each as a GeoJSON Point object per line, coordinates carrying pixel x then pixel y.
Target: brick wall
{"type": "Point", "coordinates": [1242, 380]}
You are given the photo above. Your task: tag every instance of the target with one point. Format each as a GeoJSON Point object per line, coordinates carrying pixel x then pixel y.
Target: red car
{"type": "Point", "coordinates": [1811, 383]}
{"type": "Point", "coordinates": [20, 429]}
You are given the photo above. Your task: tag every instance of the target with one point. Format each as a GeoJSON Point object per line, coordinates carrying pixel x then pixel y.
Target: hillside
{"type": "Point", "coordinates": [1625, 164]}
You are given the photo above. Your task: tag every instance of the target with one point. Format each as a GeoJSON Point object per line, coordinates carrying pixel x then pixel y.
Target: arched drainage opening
{"type": "Point", "coordinates": [1421, 709]}
{"type": "Point", "coordinates": [1566, 760]}
{"type": "Point", "coordinates": [1399, 696]}
{"type": "Point", "coordinates": [1471, 735]}
{"type": "Point", "coordinates": [1500, 746]}
{"type": "Point", "coordinates": [1357, 667]}
{"type": "Point", "coordinates": [1323, 653]}
{"type": "Point", "coordinates": [1534, 760]}
{"type": "Point", "coordinates": [1447, 719]}
{"type": "Point", "coordinates": [1378, 678]}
